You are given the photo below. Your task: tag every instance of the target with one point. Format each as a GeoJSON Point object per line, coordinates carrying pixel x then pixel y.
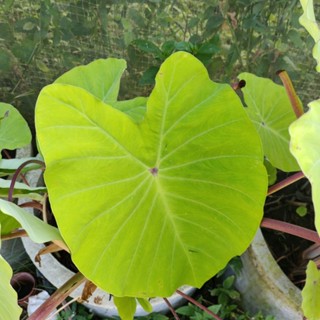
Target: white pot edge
{"type": "Point", "coordinates": [264, 286]}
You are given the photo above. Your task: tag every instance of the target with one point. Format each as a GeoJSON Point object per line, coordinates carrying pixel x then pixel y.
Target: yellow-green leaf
{"type": "Point", "coordinates": [308, 20]}
{"type": "Point", "coordinates": [311, 293]}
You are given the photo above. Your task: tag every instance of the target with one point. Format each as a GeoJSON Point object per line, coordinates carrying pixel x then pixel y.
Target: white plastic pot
{"type": "Point", "coordinates": [263, 285]}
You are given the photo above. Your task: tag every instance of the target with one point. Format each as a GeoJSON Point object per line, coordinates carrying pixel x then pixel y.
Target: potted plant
{"type": "Point", "coordinates": [258, 261]}
{"type": "Point", "coordinates": [152, 186]}
{"type": "Point", "coordinates": [151, 194]}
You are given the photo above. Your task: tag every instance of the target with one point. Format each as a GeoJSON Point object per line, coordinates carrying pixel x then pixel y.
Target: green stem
{"type": "Point", "coordinates": [290, 229]}
{"type": "Point", "coordinates": [294, 99]}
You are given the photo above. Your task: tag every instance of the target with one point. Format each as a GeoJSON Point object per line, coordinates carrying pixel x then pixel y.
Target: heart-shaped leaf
{"type": "Point", "coordinates": [147, 207]}
{"type": "Point", "coordinates": [305, 146]}
{"type": "Point", "coordinates": [14, 130]}
{"type": "Point", "coordinates": [269, 108]}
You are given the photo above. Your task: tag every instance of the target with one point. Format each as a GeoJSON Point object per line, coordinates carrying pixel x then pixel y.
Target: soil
{"type": "Point", "coordinates": [287, 249]}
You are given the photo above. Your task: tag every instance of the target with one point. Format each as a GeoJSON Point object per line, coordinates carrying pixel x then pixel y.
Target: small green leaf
{"type": "Point", "coordinates": [269, 108]}
{"type": "Point", "coordinates": [272, 172]}
{"type": "Point", "coordinates": [14, 130]}
{"type": "Point", "coordinates": [28, 26]}
{"type": "Point", "coordinates": [147, 46]}
{"type": "Point", "coordinates": [9, 308]}
{"type": "Point", "coordinates": [42, 66]}
{"type": "Point", "coordinates": [228, 282]}
{"type": "Point", "coordinates": [145, 304]}
{"type": "Point", "coordinates": [309, 21]}
{"type": "Point", "coordinates": [311, 293]}
{"type": "Point", "coordinates": [186, 310]}
{"type": "Point", "coordinates": [126, 307]}
{"type": "Point", "coordinates": [305, 146]}
{"type": "Point", "coordinates": [302, 211]}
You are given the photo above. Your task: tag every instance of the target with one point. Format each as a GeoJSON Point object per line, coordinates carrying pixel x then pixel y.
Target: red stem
{"type": "Point", "coordinates": [57, 298]}
{"type": "Point", "coordinates": [16, 174]}
{"type": "Point", "coordinates": [199, 305]}
{"type": "Point", "coordinates": [171, 308]}
{"type": "Point", "coordinates": [290, 229]}
{"type": "Point", "coordinates": [286, 182]}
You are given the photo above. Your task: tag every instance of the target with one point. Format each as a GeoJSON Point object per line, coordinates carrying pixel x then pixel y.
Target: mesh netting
{"type": "Point", "coordinates": [39, 40]}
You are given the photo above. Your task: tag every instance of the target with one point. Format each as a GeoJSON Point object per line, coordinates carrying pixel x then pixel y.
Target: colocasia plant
{"type": "Point", "coordinates": [150, 194]}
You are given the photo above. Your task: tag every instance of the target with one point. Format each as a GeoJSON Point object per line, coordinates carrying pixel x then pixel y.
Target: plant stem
{"type": "Point", "coordinates": [199, 305]}
{"type": "Point", "coordinates": [56, 299]}
{"type": "Point", "coordinates": [16, 174]}
{"type": "Point", "coordinates": [294, 99]}
{"type": "Point", "coordinates": [14, 235]}
{"type": "Point", "coordinates": [171, 308]}
{"type": "Point", "coordinates": [62, 308]}
{"type": "Point", "coordinates": [286, 182]}
{"type": "Point", "coordinates": [290, 229]}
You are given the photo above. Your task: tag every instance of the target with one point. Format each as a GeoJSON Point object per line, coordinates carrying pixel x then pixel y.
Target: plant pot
{"type": "Point", "coordinates": [263, 285]}
{"type": "Point", "coordinates": [100, 303]}
{"type": "Point", "coordinates": [23, 283]}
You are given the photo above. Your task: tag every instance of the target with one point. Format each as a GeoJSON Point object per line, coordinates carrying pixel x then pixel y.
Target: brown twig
{"type": "Point", "coordinates": [171, 308]}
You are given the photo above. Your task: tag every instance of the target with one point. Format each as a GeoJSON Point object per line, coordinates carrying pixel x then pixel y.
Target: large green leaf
{"type": "Point", "coordinates": [305, 146]}
{"type": "Point", "coordinates": [269, 108]}
{"type": "Point", "coordinates": [148, 207]}
{"type": "Point", "coordinates": [309, 21]}
{"type": "Point", "coordinates": [9, 308]}
{"type": "Point", "coordinates": [14, 130]}
{"type": "Point", "coordinates": [311, 293]}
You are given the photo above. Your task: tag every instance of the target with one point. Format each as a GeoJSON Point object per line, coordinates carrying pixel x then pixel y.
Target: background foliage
{"type": "Point", "coordinates": [39, 40]}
